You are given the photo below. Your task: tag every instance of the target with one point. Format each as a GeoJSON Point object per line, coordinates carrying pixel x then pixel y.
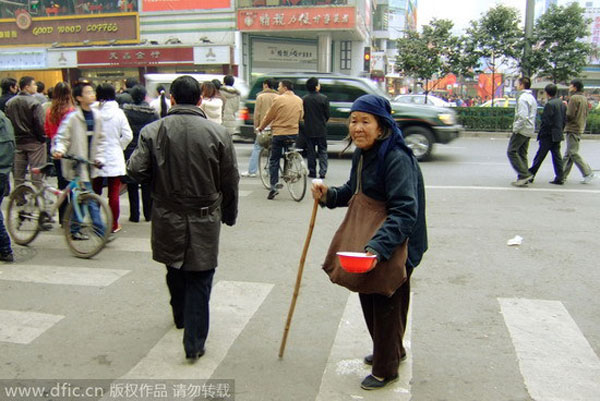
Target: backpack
{"type": "Point", "coordinates": [7, 144]}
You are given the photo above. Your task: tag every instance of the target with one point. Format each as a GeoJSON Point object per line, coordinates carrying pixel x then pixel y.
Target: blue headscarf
{"type": "Point", "coordinates": [380, 106]}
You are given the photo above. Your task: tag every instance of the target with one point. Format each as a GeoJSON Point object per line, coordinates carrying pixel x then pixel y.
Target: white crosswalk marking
{"type": "Point", "coordinates": [556, 360]}
{"type": "Point", "coordinates": [232, 305]}
{"type": "Point", "coordinates": [24, 327]}
{"type": "Point", "coordinates": [93, 277]}
{"type": "Point", "coordinates": [342, 376]}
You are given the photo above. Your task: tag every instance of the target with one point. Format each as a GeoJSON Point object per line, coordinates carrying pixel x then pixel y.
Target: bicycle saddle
{"type": "Point", "coordinates": [45, 169]}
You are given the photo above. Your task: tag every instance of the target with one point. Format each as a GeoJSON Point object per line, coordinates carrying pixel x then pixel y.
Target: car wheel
{"type": "Point", "coordinates": [420, 140]}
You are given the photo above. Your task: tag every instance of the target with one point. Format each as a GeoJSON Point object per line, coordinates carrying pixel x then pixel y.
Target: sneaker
{"type": "Point", "coordinates": [272, 194]}
{"type": "Point", "coordinates": [248, 174]}
{"type": "Point", "coordinates": [371, 383]}
{"type": "Point", "coordinates": [522, 182]}
{"type": "Point", "coordinates": [557, 182]}
{"type": "Point", "coordinates": [588, 178]}
{"type": "Point", "coordinates": [278, 185]}
{"type": "Point", "coordinates": [79, 236]}
{"type": "Point", "coordinates": [116, 230]}
{"type": "Point", "coordinates": [7, 257]}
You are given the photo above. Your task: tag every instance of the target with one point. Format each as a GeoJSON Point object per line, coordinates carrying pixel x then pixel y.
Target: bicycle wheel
{"type": "Point", "coordinates": [263, 167]}
{"type": "Point", "coordinates": [87, 225]}
{"type": "Point", "coordinates": [23, 215]}
{"type": "Point", "coordinates": [295, 176]}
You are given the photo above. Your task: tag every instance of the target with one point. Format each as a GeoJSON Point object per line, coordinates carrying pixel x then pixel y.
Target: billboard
{"type": "Point", "coordinates": [57, 8]}
{"type": "Point", "coordinates": [138, 57]}
{"type": "Point", "coordinates": [69, 31]}
{"type": "Point", "coordinates": [296, 19]}
{"type": "Point", "coordinates": [179, 5]}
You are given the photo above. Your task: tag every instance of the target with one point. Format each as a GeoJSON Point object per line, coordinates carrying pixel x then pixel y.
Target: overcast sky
{"type": "Point", "coordinates": [461, 11]}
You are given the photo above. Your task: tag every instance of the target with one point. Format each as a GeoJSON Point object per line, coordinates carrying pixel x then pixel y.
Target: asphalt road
{"type": "Point", "coordinates": [489, 322]}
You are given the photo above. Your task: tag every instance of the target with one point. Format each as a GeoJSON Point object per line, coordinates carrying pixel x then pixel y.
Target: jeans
{"type": "Point", "coordinates": [190, 297]}
{"type": "Point", "coordinates": [279, 145]}
{"type": "Point", "coordinates": [572, 156]}
{"type": "Point", "coordinates": [5, 247]}
{"type": "Point", "coordinates": [94, 209]}
{"type": "Point", "coordinates": [517, 154]}
{"type": "Point", "coordinates": [316, 147]}
{"type": "Point", "coordinates": [547, 145]}
{"type": "Point", "coordinates": [253, 164]}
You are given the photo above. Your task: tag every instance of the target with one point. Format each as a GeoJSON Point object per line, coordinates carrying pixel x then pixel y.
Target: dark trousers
{"type": "Point", "coordinates": [546, 145]}
{"type": "Point", "coordinates": [316, 147]}
{"type": "Point", "coordinates": [386, 321]}
{"type": "Point", "coordinates": [62, 184]}
{"type": "Point", "coordinates": [279, 145]}
{"type": "Point", "coordinates": [134, 201]}
{"type": "Point", "coordinates": [5, 247]}
{"type": "Point", "coordinates": [517, 154]}
{"type": "Point", "coordinates": [190, 296]}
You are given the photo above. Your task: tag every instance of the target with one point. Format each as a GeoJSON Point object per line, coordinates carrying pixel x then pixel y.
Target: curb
{"type": "Point", "coordinates": [499, 134]}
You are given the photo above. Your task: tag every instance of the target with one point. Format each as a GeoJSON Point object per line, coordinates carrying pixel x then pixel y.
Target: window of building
{"type": "Point", "coordinates": [346, 55]}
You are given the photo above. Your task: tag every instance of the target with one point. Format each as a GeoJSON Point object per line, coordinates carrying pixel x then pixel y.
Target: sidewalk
{"type": "Point", "coordinates": [506, 134]}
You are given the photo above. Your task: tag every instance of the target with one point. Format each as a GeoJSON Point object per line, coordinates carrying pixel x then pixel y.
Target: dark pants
{"type": "Point", "coordinates": [386, 321]}
{"type": "Point", "coordinates": [279, 145]}
{"type": "Point", "coordinates": [546, 145]}
{"type": "Point", "coordinates": [316, 147]}
{"type": "Point", "coordinates": [5, 248]}
{"type": "Point", "coordinates": [517, 154]}
{"type": "Point", "coordinates": [62, 184]}
{"type": "Point", "coordinates": [190, 296]}
{"type": "Point", "coordinates": [134, 201]}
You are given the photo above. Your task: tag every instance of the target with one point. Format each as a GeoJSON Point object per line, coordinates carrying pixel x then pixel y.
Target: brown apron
{"type": "Point", "coordinates": [364, 217]}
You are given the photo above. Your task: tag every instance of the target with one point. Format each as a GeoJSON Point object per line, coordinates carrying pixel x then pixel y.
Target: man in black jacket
{"type": "Point", "coordinates": [551, 134]}
{"type": "Point", "coordinates": [9, 89]}
{"type": "Point", "coordinates": [316, 114]}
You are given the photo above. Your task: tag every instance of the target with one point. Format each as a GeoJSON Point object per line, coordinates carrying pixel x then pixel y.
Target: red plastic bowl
{"type": "Point", "coordinates": [356, 262]}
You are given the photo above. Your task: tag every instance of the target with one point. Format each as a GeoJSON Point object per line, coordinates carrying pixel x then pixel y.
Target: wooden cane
{"type": "Point", "coordinates": [299, 277]}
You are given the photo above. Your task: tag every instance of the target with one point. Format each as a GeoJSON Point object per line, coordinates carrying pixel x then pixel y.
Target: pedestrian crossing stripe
{"type": "Point", "coordinates": [84, 276]}
{"type": "Point", "coordinates": [232, 305]}
{"type": "Point", "coordinates": [556, 361]}
{"type": "Point", "coordinates": [345, 368]}
{"type": "Point", "coordinates": [24, 327]}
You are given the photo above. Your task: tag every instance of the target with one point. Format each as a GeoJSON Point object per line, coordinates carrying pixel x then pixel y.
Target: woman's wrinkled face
{"type": "Point", "coordinates": [364, 129]}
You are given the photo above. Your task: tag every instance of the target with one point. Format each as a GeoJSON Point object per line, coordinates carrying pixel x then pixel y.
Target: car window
{"type": "Point", "coordinates": [420, 100]}
{"type": "Point", "coordinates": [341, 90]}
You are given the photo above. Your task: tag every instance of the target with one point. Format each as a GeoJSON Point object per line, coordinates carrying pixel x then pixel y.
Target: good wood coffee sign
{"type": "Point", "coordinates": [70, 30]}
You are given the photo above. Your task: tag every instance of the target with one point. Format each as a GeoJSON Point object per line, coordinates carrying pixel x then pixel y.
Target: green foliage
{"type": "Point", "coordinates": [558, 52]}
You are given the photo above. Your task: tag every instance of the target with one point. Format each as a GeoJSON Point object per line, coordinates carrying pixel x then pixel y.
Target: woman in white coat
{"type": "Point", "coordinates": [117, 136]}
{"type": "Point", "coordinates": [212, 105]}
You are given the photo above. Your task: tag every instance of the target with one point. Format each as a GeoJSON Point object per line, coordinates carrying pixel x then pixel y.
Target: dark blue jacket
{"type": "Point", "coordinates": [401, 188]}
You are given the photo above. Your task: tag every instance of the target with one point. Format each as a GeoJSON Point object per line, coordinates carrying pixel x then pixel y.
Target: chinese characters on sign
{"type": "Point", "coordinates": [296, 19]}
{"type": "Point", "coordinates": [135, 57]}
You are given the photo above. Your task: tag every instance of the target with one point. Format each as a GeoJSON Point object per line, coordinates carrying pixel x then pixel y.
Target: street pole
{"type": "Point", "coordinates": [529, 17]}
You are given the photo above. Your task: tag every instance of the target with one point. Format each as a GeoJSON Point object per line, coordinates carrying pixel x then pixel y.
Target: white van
{"type": "Point", "coordinates": [155, 80]}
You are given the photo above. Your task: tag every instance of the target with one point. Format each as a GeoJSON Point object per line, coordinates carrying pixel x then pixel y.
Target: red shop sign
{"type": "Point", "coordinates": [296, 19]}
{"type": "Point", "coordinates": [135, 57]}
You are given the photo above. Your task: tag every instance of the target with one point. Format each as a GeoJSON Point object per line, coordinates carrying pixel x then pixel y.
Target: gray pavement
{"type": "Point", "coordinates": [489, 322]}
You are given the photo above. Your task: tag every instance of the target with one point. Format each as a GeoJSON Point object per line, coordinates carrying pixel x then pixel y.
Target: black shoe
{"type": "Point", "coordinates": [194, 356]}
{"type": "Point", "coordinates": [369, 359]}
{"type": "Point", "coordinates": [371, 383]}
{"type": "Point", "coordinates": [272, 194]}
{"type": "Point", "coordinates": [313, 175]}
{"type": "Point", "coordinates": [79, 236]}
{"type": "Point", "coordinates": [322, 176]}
{"type": "Point", "coordinates": [7, 257]}
{"type": "Point", "coordinates": [134, 220]}
{"type": "Point", "coordinates": [556, 182]}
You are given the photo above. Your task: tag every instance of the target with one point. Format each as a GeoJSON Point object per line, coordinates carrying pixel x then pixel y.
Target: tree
{"type": "Point", "coordinates": [497, 37]}
{"type": "Point", "coordinates": [434, 52]}
{"type": "Point", "coordinates": [558, 52]}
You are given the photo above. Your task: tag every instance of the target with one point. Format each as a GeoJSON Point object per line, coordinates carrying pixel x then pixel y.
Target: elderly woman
{"type": "Point", "coordinates": [386, 217]}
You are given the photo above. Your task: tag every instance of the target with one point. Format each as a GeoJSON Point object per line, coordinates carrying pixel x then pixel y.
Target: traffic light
{"type": "Point", "coordinates": [367, 60]}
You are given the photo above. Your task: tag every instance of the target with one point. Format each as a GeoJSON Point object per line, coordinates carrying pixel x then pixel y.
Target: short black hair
{"type": "Point", "coordinates": [577, 84]}
{"type": "Point", "coordinates": [269, 82]}
{"type": "Point", "coordinates": [131, 82]}
{"type": "Point", "coordinates": [551, 90]}
{"type": "Point", "coordinates": [311, 84]}
{"type": "Point", "coordinates": [526, 82]}
{"type": "Point", "coordinates": [50, 92]}
{"type": "Point", "coordinates": [40, 86]}
{"type": "Point", "coordinates": [78, 88]}
{"type": "Point", "coordinates": [138, 94]}
{"type": "Point", "coordinates": [228, 80]}
{"type": "Point", "coordinates": [105, 92]}
{"type": "Point", "coordinates": [7, 83]}
{"type": "Point", "coordinates": [287, 84]}
{"type": "Point", "coordinates": [186, 90]}
{"type": "Point", "coordinates": [217, 83]}
{"type": "Point", "coordinates": [25, 81]}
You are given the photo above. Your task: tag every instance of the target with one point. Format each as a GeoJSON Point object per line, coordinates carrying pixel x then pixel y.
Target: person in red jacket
{"type": "Point", "coordinates": [62, 104]}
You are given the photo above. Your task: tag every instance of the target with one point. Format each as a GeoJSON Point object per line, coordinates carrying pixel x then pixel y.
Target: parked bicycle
{"type": "Point", "coordinates": [87, 219]}
{"type": "Point", "coordinates": [293, 172]}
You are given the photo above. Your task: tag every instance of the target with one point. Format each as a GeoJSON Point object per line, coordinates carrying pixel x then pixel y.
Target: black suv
{"type": "Point", "coordinates": [421, 125]}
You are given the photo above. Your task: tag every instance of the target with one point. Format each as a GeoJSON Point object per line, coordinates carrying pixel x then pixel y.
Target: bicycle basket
{"type": "Point", "coordinates": [264, 138]}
